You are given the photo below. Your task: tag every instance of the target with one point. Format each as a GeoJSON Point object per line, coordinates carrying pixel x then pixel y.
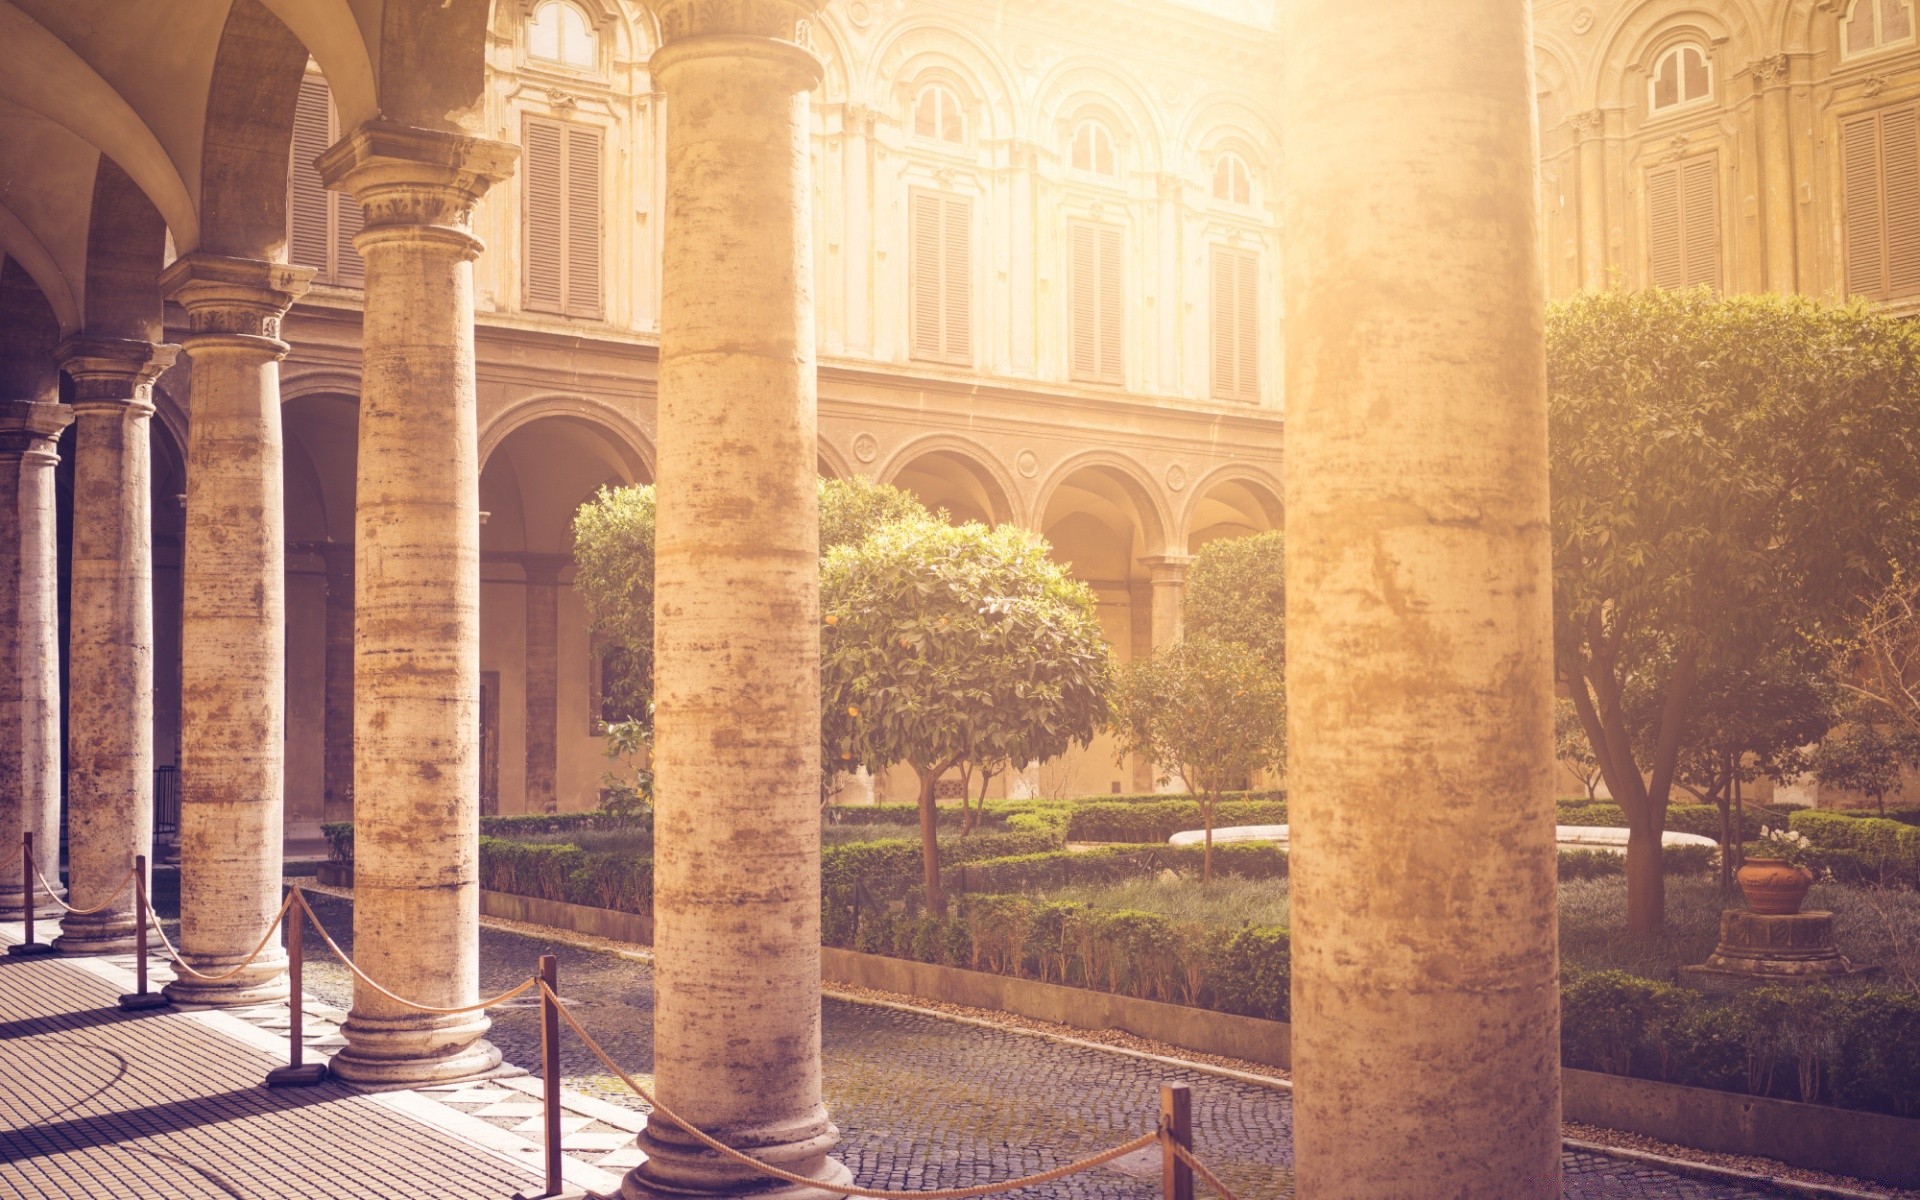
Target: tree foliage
{"type": "Point", "coordinates": [1237, 593]}
{"type": "Point", "coordinates": [945, 645]}
{"type": "Point", "coordinates": [1208, 709]}
{"type": "Point", "coordinates": [1571, 748]}
{"type": "Point", "coordinates": [1729, 477]}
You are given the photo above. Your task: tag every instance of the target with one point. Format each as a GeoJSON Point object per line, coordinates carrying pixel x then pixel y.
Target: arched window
{"type": "Point", "coordinates": [1093, 150]}
{"type": "Point", "coordinates": [1871, 24]}
{"type": "Point", "coordinates": [1682, 76]}
{"type": "Point", "coordinates": [1232, 181]}
{"type": "Point", "coordinates": [937, 115]}
{"type": "Point", "coordinates": [559, 33]}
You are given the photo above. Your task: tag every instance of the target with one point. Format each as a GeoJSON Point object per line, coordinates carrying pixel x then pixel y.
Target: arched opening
{"type": "Point", "coordinates": [957, 483]}
{"type": "Point", "coordinates": [541, 739]}
{"type": "Point", "coordinates": [1229, 509]}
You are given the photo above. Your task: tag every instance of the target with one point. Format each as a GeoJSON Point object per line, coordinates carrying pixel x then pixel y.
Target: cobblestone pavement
{"type": "Point", "coordinates": [926, 1102]}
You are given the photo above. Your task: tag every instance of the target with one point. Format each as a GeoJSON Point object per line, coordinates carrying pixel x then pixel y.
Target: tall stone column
{"type": "Point", "coordinates": [543, 678]}
{"type": "Point", "coordinates": [737, 688]}
{"type": "Point", "coordinates": [29, 647]}
{"type": "Point", "coordinates": [1773, 77]}
{"type": "Point", "coordinates": [110, 634]}
{"type": "Point", "coordinates": [1591, 128]}
{"type": "Point", "coordinates": [1167, 576]}
{"type": "Point", "coordinates": [233, 640]}
{"type": "Point", "coordinates": [336, 802]}
{"type": "Point", "coordinates": [1425, 983]}
{"type": "Point", "coordinates": [416, 769]}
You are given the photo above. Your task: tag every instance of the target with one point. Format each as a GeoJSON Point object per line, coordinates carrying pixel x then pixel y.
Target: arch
{"type": "Point", "coordinates": [126, 242]}
{"type": "Point", "coordinates": [1082, 88]}
{"type": "Point", "coordinates": [920, 48]}
{"type": "Point", "coordinates": [322, 448]}
{"type": "Point", "coordinates": [951, 471]}
{"type": "Point", "coordinates": [632, 444]}
{"type": "Point", "coordinates": [562, 33]}
{"type": "Point", "coordinates": [536, 474]}
{"type": "Point", "coordinates": [249, 134]}
{"type": "Point", "coordinates": [1247, 491]}
{"type": "Point", "coordinates": [1880, 32]}
{"type": "Point", "coordinates": [1221, 120]}
{"type": "Point", "coordinates": [1731, 30]}
{"type": "Point", "coordinates": [318, 381]}
{"type": "Point", "coordinates": [1124, 474]}
{"type": "Point", "coordinates": [833, 464]}
{"type": "Point", "coordinates": [331, 33]}
{"type": "Point", "coordinates": [433, 64]}
{"type": "Point", "coordinates": [41, 73]}
{"type": "Point", "coordinates": [20, 245]}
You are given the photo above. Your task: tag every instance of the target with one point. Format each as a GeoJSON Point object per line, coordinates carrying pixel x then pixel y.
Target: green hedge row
{"type": "Point", "coordinates": [602, 879]}
{"type": "Point", "coordinates": [1855, 1049]}
{"type": "Point", "coordinates": [339, 834]}
{"type": "Point", "coordinates": [1865, 849]}
{"type": "Point", "coordinates": [1703, 819]}
{"type": "Point", "coordinates": [1157, 821]}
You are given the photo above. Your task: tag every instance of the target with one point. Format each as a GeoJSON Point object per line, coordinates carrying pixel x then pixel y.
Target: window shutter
{"type": "Point", "coordinates": [1221, 324]}
{"type": "Point", "coordinates": [1665, 242]}
{"type": "Point", "coordinates": [349, 269]}
{"type": "Point", "coordinates": [929, 338]}
{"type": "Point", "coordinates": [583, 222]}
{"type": "Point", "coordinates": [1247, 327]}
{"type": "Point", "coordinates": [1112, 307]}
{"type": "Point", "coordinates": [1700, 219]}
{"type": "Point", "coordinates": [958, 279]}
{"type": "Point", "coordinates": [545, 217]}
{"type": "Point", "coordinates": [308, 201]}
{"type": "Point", "coordinates": [940, 270]}
{"type": "Point", "coordinates": [1866, 243]}
{"type": "Point", "coordinates": [1900, 138]}
{"type": "Point", "coordinates": [1084, 299]}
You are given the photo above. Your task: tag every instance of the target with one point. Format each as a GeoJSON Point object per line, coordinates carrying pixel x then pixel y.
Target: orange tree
{"type": "Point", "coordinates": [1730, 477]}
{"type": "Point", "coordinates": [944, 645]}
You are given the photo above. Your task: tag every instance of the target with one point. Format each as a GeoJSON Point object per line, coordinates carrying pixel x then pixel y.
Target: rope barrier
{"type": "Point", "coordinates": [103, 906]}
{"type": "Point", "coordinates": [531, 982]}
{"type": "Point", "coordinates": [180, 963]}
{"type": "Point", "coordinates": [746, 1160]}
{"type": "Point", "coordinates": [1200, 1169]}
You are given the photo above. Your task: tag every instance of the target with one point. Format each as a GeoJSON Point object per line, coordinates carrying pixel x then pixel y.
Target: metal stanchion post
{"type": "Point", "coordinates": [297, 1072]}
{"type": "Point", "coordinates": [140, 999]}
{"type": "Point", "coordinates": [27, 877]}
{"type": "Point", "coordinates": [550, 1076]}
{"type": "Point", "coordinates": [1176, 1127]}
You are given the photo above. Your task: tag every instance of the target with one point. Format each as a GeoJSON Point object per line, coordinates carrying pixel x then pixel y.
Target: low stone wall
{"type": "Point", "coordinates": [598, 922]}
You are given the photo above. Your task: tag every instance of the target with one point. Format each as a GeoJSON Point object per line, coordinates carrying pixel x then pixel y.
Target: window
{"type": "Point", "coordinates": [561, 173]}
{"type": "Point", "coordinates": [1093, 150]}
{"type": "Point", "coordinates": [1232, 181]}
{"type": "Point", "coordinates": [1682, 76]}
{"type": "Point", "coordinates": [1881, 177]}
{"type": "Point", "coordinates": [1683, 223]}
{"type": "Point", "coordinates": [320, 224]}
{"type": "Point", "coordinates": [937, 115]}
{"type": "Point", "coordinates": [941, 267]}
{"type": "Point", "coordinates": [1236, 325]}
{"type": "Point", "coordinates": [1871, 24]}
{"type": "Point", "coordinates": [559, 33]}
{"type": "Point", "coordinates": [1098, 302]}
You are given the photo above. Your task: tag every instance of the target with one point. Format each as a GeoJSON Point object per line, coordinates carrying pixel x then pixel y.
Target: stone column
{"type": "Point", "coordinates": [233, 641]}
{"type": "Point", "coordinates": [1591, 129]}
{"type": "Point", "coordinates": [543, 678]}
{"type": "Point", "coordinates": [1425, 984]}
{"type": "Point", "coordinates": [337, 750]}
{"type": "Point", "coordinates": [416, 785]}
{"type": "Point", "coordinates": [29, 647]}
{"type": "Point", "coordinates": [1773, 77]}
{"type": "Point", "coordinates": [736, 879]}
{"type": "Point", "coordinates": [110, 634]}
{"type": "Point", "coordinates": [1167, 576]}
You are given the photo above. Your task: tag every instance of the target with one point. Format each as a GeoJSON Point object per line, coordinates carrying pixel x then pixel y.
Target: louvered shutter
{"type": "Point", "coordinates": [1220, 323]}
{"type": "Point", "coordinates": [929, 339]}
{"type": "Point", "coordinates": [545, 217]}
{"type": "Point", "coordinates": [309, 235]}
{"type": "Point", "coordinates": [957, 286]}
{"type": "Point", "coordinates": [1866, 243]}
{"type": "Point", "coordinates": [1083, 286]}
{"type": "Point", "coordinates": [1247, 326]}
{"type": "Point", "coordinates": [349, 269]}
{"type": "Point", "coordinates": [583, 222]}
{"type": "Point", "coordinates": [1665, 243]}
{"type": "Point", "coordinates": [1112, 307]}
{"type": "Point", "coordinates": [940, 267]}
{"type": "Point", "coordinates": [1700, 217]}
{"type": "Point", "coordinates": [1900, 151]}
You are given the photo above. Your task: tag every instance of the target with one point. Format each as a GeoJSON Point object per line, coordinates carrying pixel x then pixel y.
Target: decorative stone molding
{"type": "Point", "coordinates": [866, 447]}
{"type": "Point", "coordinates": [1589, 124]}
{"type": "Point", "coordinates": [1027, 463]}
{"type": "Point", "coordinates": [30, 426]}
{"type": "Point", "coordinates": [1176, 477]}
{"type": "Point", "coordinates": [1774, 68]}
{"type": "Point", "coordinates": [113, 371]}
{"type": "Point", "coordinates": [404, 176]}
{"type": "Point", "coordinates": [783, 20]}
{"type": "Point", "coordinates": [1167, 568]}
{"type": "Point", "coordinates": [234, 297]}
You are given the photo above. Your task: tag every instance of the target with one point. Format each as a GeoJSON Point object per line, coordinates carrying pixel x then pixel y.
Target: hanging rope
{"type": "Point", "coordinates": [363, 977]}
{"type": "Point", "coordinates": [1200, 1169]}
{"type": "Point", "coordinates": [180, 963]}
{"type": "Point", "coordinates": [103, 906]}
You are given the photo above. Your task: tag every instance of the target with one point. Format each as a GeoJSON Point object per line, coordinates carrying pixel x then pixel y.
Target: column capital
{"type": "Point", "coordinates": [1589, 124]}
{"type": "Point", "coordinates": [781, 20]}
{"type": "Point", "coordinates": [234, 298]}
{"type": "Point", "coordinates": [413, 179]}
{"type": "Point", "coordinates": [1167, 568]}
{"type": "Point", "coordinates": [30, 426]}
{"type": "Point", "coordinates": [544, 569]}
{"type": "Point", "coordinates": [118, 371]}
{"type": "Point", "coordinates": [1771, 71]}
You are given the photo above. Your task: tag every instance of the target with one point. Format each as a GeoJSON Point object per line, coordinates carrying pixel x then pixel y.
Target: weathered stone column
{"type": "Point", "coordinates": [1591, 128]}
{"type": "Point", "coordinates": [1425, 984]}
{"type": "Point", "coordinates": [736, 876]}
{"type": "Point", "coordinates": [110, 634]}
{"type": "Point", "coordinates": [1773, 79]}
{"type": "Point", "coordinates": [416, 769]}
{"type": "Point", "coordinates": [233, 659]}
{"type": "Point", "coordinates": [337, 752]}
{"type": "Point", "coordinates": [1167, 576]}
{"type": "Point", "coordinates": [29, 647]}
{"type": "Point", "coordinates": [543, 678]}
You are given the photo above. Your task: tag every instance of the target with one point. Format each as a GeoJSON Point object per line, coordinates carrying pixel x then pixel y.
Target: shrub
{"type": "Point", "coordinates": [339, 834]}
{"type": "Point", "coordinates": [1138, 822]}
{"type": "Point", "coordinates": [1866, 848]}
{"type": "Point", "coordinates": [1703, 819]}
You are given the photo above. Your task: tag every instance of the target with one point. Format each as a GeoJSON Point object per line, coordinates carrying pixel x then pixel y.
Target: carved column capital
{"type": "Point", "coordinates": [410, 181]}
{"type": "Point", "coordinates": [1589, 124]}
{"type": "Point", "coordinates": [113, 371]}
{"type": "Point", "coordinates": [781, 20]}
{"type": "Point", "coordinates": [1167, 568]}
{"type": "Point", "coordinates": [31, 426]}
{"type": "Point", "coordinates": [236, 302]}
{"type": "Point", "coordinates": [1772, 70]}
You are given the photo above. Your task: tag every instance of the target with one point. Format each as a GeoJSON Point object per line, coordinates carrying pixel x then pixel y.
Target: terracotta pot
{"type": "Point", "coordinates": [1774, 886]}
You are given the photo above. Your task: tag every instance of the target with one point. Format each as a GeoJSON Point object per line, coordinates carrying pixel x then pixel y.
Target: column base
{"type": "Point", "coordinates": [11, 908]}
{"type": "Point", "coordinates": [680, 1168]}
{"type": "Point", "coordinates": [263, 983]}
{"type": "Point", "coordinates": [413, 1051]}
{"type": "Point", "coordinates": [106, 933]}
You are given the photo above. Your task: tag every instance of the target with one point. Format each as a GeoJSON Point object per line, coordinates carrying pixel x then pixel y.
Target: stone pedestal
{"type": "Point", "coordinates": [29, 650]}
{"type": "Point", "coordinates": [110, 638]}
{"type": "Point", "coordinates": [416, 764]}
{"type": "Point", "coordinates": [233, 626]}
{"type": "Point", "coordinates": [1763, 949]}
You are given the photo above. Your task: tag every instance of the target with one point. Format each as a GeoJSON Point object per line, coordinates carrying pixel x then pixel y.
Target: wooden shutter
{"type": "Point", "coordinates": [583, 222]}
{"type": "Point", "coordinates": [309, 233]}
{"type": "Point", "coordinates": [1098, 303]}
{"type": "Point", "coordinates": [1235, 287]}
{"type": "Point", "coordinates": [1683, 223]}
{"type": "Point", "coordinates": [545, 219]}
{"type": "Point", "coordinates": [349, 269]}
{"type": "Point", "coordinates": [941, 270]}
{"type": "Point", "coordinates": [1880, 170]}
{"type": "Point", "coordinates": [1667, 246]}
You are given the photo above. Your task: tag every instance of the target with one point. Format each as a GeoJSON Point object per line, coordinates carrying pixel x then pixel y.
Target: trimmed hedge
{"type": "Point", "coordinates": [549, 871]}
{"type": "Point", "coordinates": [1703, 819]}
{"type": "Point", "coordinates": [1139, 821]}
{"type": "Point", "coordinates": [1865, 849]}
{"type": "Point", "coordinates": [339, 834]}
